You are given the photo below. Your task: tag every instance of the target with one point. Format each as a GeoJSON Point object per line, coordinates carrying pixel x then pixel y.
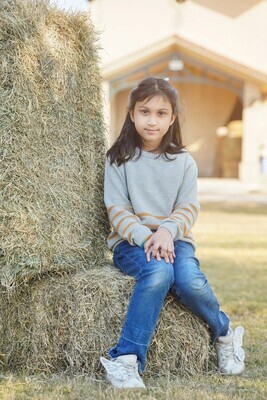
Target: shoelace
{"type": "Point", "coordinates": [123, 371]}
{"type": "Point", "coordinates": [233, 350]}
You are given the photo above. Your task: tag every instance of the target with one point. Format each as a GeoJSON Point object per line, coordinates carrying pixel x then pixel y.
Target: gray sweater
{"type": "Point", "coordinates": [149, 193]}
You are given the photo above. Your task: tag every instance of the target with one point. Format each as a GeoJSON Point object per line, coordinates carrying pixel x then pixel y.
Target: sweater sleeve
{"type": "Point", "coordinates": [186, 208]}
{"type": "Point", "coordinates": [119, 207]}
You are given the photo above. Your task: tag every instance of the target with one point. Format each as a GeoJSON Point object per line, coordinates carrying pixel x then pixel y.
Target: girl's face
{"type": "Point", "coordinates": [152, 119]}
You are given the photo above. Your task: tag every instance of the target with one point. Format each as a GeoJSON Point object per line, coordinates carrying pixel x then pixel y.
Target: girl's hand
{"type": "Point", "coordinates": [160, 245]}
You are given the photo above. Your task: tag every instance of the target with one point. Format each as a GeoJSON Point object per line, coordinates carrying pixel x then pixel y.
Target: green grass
{"type": "Point", "coordinates": [232, 248]}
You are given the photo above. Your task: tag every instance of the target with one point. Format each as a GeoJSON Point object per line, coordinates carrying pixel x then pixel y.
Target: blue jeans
{"type": "Point", "coordinates": [154, 279]}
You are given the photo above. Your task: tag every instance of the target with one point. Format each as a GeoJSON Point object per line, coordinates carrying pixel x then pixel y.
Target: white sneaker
{"type": "Point", "coordinates": [123, 372]}
{"type": "Point", "coordinates": [230, 353]}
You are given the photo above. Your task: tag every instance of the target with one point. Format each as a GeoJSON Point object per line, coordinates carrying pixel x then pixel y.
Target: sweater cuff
{"type": "Point", "coordinates": [140, 234]}
{"type": "Point", "coordinates": [171, 227]}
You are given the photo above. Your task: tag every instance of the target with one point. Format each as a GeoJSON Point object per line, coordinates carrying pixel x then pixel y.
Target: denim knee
{"type": "Point", "coordinates": [197, 284]}
{"type": "Point", "coordinates": [190, 281]}
{"type": "Point", "coordinates": [158, 275]}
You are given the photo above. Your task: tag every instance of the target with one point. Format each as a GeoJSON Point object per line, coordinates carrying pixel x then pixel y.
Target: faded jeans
{"type": "Point", "coordinates": [154, 279]}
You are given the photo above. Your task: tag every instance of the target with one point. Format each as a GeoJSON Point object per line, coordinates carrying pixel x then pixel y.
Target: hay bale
{"type": "Point", "coordinates": [53, 142]}
{"type": "Point", "coordinates": [66, 324]}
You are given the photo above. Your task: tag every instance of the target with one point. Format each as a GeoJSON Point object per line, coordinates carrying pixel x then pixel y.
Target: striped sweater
{"type": "Point", "coordinates": [145, 194]}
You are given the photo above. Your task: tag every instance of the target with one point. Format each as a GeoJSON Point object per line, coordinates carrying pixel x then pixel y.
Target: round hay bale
{"type": "Point", "coordinates": [53, 142]}
{"type": "Point", "coordinates": [65, 324]}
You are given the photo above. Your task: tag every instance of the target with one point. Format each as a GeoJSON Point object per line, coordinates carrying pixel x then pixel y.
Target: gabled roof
{"type": "Point", "coordinates": [230, 35]}
{"type": "Point", "coordinates": [233, 67]}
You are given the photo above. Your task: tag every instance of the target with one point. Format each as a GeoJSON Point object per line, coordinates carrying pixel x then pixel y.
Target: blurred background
{"type": "Point", "coordinates": [215, 54]}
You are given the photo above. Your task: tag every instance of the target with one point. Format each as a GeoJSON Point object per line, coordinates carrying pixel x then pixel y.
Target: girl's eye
{"type": "Point", "coordinates": [161, 113]}
{"type": "Point", "coordinates": [144, 111]}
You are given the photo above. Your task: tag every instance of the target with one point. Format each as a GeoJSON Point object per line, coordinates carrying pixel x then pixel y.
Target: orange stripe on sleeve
{"type": "Point", "coordinates": [151, 226]}
{"type": "Point", "coordinates": [143, 214]}
{"type": "Point", "coordinates": [116, 215]}
{"type": "Point", "coordinates": [180, 213]}
{"type": "Point", "coordinates": [189, 210]}
{"type": "Point", "coordinates": [194, 207]}
{"type": "Point", "coordinates": [125, 229]}
{"type": "Point", "coordinates": [109, 209]}
{"type": "Point", "coordinates": [129, 237]}
{"type": "Point", "coordinates": [121, 221]}
{"type": "Point", "coordinates": [112, 235]}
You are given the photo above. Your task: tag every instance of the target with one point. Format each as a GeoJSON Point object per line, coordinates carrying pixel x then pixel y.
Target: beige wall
{"type": "Point", "coordinates": [120, 110]}
{"type": "Point", "coordinates": [255, 134]}
{"type": "Point", "coordinates": [206, 108]}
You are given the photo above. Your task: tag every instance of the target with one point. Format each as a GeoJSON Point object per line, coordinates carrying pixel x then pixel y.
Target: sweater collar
{"type": "Point", "coordinates": [149, 154]}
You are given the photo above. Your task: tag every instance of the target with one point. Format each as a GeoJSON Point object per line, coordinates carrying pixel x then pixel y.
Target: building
{"type": "Point", "coordinates": [214, 53]}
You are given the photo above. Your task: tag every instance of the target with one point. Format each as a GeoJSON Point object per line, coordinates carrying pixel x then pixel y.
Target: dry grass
{"type": "Point", "coordinates": [52, 143]}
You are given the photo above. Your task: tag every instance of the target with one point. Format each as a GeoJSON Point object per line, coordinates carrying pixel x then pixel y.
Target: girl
{"type": "Point", "coordinates": [150, 193]}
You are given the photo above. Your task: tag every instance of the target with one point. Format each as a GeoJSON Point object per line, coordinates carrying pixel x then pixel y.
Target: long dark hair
{"type": "Point", "coordinates": [125, 146]}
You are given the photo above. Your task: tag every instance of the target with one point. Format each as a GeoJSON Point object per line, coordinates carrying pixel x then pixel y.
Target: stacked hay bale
{"type": "Point", "coordinates": [52, 143]}
{"type": "Point", "coordinates": [62, 305]}
{"type": "Point", "coordinates": [66, 324]}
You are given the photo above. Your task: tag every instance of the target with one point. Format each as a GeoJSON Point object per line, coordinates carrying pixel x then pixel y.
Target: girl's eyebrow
{"type": "Point", "coordinates": [160, 109]}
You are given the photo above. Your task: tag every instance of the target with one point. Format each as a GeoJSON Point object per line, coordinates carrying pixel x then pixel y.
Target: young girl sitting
{"type": "Point", "coordinates": [150, 193]}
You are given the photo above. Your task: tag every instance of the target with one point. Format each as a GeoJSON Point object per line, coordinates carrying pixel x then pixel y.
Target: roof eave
{"type": "Point", "coordinates": [234, 67]}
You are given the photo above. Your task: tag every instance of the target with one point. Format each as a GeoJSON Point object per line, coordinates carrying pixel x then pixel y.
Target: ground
{"type": "Point", "coordinates": [232, 248]}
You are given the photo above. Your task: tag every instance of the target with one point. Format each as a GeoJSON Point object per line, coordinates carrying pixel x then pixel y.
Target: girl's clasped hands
{"type": "Point", "coordinates": [160, 245]}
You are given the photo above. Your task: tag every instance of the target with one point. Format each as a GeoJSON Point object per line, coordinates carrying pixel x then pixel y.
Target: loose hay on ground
{"type": "Point", "coordinates": [67, 323]}
{"type": "Point", "coordinates": [52, 142]}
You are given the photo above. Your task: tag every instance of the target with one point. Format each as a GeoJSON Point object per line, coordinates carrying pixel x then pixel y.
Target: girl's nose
{"type": "Point", "coordinates": [152, 120]}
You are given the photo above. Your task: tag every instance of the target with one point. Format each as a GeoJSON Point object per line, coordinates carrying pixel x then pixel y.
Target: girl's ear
{"type": "Point", "coordinates": [173, 119]}
{"type": "Point", "coordinates": [131, 115]}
